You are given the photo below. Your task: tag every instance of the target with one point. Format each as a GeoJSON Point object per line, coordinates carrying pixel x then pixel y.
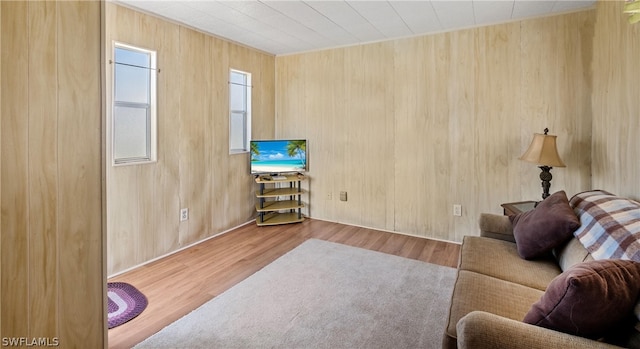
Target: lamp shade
{"type": "Point", "coordinates": [543, 151]}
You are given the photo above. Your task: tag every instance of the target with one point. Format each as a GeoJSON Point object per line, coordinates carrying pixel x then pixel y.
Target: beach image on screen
{"type": "Point", "coordinates": [278, 156]}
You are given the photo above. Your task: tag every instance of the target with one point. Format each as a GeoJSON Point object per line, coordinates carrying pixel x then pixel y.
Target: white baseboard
{"type": "Point", "coordinates": [389, 231]}
{"type": "Point", "coordinates": [253, 220]}
{"type": "Point", "coordinates": [178, 250]}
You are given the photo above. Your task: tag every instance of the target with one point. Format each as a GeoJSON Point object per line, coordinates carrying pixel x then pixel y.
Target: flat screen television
{"type": "Point", "coordinates": [278, 156]}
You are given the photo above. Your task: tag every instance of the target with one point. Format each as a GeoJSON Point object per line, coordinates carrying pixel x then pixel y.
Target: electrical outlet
{"type": "Point", "coordinates": [329, 196]}
{"type": "Point", "coordinates": [184, 214]}
{"type": "Point", "coordinates": [457, 210]}
{"type": "Point", "coordinates": [343, 196]}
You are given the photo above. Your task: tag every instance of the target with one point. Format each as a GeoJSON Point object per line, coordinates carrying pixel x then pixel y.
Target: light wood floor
{"type": "Point", "coordinates": [182, 282]}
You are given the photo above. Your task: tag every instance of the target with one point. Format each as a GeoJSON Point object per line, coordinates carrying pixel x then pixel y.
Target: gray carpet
{"type": "Point", "coordinates": [322, 295]}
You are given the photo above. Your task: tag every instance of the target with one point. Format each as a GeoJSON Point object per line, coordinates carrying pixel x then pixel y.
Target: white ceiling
{"type": "Point", "coordinates": [285, 27]}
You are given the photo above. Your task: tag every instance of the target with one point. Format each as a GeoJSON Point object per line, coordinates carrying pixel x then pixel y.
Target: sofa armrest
{"type": "Point", "coordinates": [496, 226]}
{"type": "Point", "coordinates": [479, 329]}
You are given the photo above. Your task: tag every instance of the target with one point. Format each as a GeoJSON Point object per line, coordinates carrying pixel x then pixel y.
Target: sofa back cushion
{"type": "Point", "coordinates": [571, 253]}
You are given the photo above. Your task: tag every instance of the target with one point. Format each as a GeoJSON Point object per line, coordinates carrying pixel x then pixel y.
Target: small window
{"type": "Point", "coordinates": [239, 111]}
{"type": "Point", "coordinates": [134, 105]}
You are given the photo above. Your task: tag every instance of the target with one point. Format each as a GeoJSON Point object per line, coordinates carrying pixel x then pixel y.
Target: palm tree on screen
{"type": "Point", "coordinates": [255, 151]}
{"type": "Point", "coordinates": [297, 148]}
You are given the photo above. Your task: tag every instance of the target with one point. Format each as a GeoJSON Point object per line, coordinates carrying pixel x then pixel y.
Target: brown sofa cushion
{"type": "Point", "coordinates": [589, 299]}
{"type": "Point", "coordinates": [500, 260]}
{"type": "Point", "coordinates": [548, 225]}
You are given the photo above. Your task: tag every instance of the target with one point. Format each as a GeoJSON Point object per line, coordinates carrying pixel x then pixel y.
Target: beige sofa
{"type": "Point", "coordinates": [496, 287]}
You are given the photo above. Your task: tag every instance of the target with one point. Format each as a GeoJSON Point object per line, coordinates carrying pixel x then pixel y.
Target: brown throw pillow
{"type": "Point", "coordinates": [548, 225]}
{"type": "Point", "coordinates": [589, 299]}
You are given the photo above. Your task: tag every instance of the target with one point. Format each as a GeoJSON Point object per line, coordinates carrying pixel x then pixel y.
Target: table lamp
{"type": "Point", "coordinates": [543, 151]}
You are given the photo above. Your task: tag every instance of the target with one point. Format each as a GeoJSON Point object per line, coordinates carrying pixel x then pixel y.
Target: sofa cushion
{"type": "Point", "coordinates": [548, 225]}
{"type": "Point", "coordinates": [500, 259]}
{"type": "Point", "coordinates": [571, 253]}
{"type": "Point", "coordinates": [589, 299]}
{"type": "Point", "coordinates": [473, 291]}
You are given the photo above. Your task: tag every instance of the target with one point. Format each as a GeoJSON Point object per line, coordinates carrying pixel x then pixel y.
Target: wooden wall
{"type": "Point", "coordinates": [407, 127]}
{"type": "Point", "coordinates": [194, 168]}
{"type": "Point", "coordinates": [410, 127]}
{"type": "Point", "coordinates": [51, 248]}
{"type": "Point", "coordinates": [616, 102]}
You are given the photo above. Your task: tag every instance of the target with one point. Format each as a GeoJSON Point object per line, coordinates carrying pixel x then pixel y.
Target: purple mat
{"type": "Point", "coordinates": [124, 303]}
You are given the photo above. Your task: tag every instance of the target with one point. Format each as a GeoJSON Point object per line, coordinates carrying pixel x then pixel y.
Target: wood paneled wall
{"type": "Point", "coordinates": [407, 127]}
{"type": "Point", "coordinates": [410, 127]}
{"type": "Point", "coordinates": [616, 102]}
{"type": "Point", "coordinates": [51, 248]}
{"type": "Point", "coordinates": [194, 169]}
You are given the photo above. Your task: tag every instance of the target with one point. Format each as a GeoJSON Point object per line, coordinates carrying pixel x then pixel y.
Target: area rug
{"type": "Point", "coordinates": [322, 295]}
{"type": "Point", "coordinates": [125, 302]}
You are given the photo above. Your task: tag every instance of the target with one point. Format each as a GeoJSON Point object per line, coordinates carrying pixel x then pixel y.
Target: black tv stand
{"type": "Point", "coordinates": [273, 211]}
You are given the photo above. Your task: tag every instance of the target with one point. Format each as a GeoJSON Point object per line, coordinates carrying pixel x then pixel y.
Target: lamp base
{"type": "Point", "coordinates": [546, 177]}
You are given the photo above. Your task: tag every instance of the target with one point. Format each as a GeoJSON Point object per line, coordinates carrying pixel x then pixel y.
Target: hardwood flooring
{"type": "Point", "coordinates": [182, 282]}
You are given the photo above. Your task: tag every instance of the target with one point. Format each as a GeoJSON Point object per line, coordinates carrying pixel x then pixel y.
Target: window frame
{"type": "Point", "coordinates": [246, 112]}
{"type": "Point", "coordinates": [151, 107]}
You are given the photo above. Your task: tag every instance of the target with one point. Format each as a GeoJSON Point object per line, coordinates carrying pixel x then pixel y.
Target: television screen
{"type": "Point", "coordinates": [278, 156]}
